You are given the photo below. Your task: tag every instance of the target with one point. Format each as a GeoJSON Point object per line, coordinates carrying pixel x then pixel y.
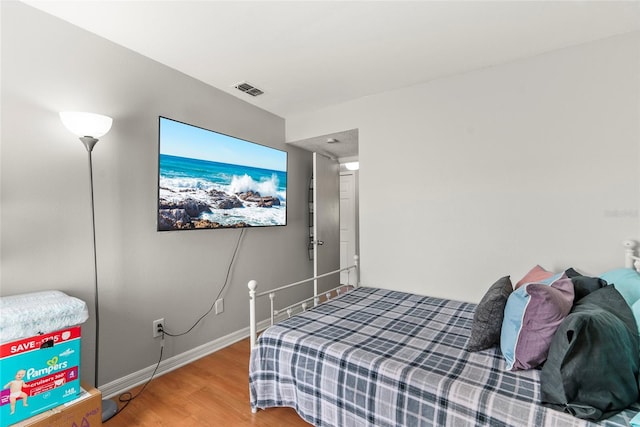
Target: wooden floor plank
{"type": "Point", "coordinates": [211, 391]}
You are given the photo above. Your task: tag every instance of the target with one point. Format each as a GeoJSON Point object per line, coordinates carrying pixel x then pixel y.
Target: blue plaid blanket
{"type": "Point", "coordinates": [375, 357]}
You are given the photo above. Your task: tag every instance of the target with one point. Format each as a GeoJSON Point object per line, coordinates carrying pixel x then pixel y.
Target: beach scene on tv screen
{"type": "Point", "coordinates": [211, 180]}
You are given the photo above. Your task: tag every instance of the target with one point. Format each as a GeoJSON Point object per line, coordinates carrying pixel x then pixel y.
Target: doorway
{"type": "Point", "coordinates": [339, 148]}
{"type": "Point", "coordinates": [348, 224]}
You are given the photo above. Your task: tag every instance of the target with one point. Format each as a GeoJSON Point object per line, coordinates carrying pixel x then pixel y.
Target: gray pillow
{"type": "Point", "coordinates": [584, 285]}
{"type": "Point", "coordinates": [487, 319]}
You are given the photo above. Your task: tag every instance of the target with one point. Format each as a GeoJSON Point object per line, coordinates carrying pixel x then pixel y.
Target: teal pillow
{"type": "Point", "coordinates": [626, 281]}
{"type": "Point", "coordinates": [635, 308]}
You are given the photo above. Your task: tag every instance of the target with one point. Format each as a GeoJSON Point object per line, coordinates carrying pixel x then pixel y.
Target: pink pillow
{"type": "Point", "coordinates": [535, 275]}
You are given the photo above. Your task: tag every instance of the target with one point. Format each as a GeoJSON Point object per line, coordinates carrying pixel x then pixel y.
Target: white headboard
{"type": "Point", "coordinates": [631, 260]}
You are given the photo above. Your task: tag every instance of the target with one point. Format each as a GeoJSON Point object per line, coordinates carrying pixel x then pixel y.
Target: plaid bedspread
{"type": "Point", "coordinates": [376, 357]}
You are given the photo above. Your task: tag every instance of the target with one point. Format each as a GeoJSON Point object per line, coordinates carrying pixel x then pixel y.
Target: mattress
{"type": "Point", "coordinates": [29, 314]}
{"type": "Point", "coordinates": [375, 357]}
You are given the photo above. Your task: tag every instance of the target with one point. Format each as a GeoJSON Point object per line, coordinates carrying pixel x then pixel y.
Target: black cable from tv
{"type": "Point", "coordinates": [226, 280]}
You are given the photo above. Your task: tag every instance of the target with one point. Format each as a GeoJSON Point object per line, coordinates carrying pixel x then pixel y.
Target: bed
{"type": "Point", "coordinates": [375, 357]}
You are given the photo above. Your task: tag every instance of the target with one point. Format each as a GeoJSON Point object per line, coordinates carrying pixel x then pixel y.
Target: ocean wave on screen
{"type": "Point", "coordinates": [244, 184]}
{"type": "Point", "coordinates": [187, 183]}
{"type": "Point", "coordinates": [252, 215]}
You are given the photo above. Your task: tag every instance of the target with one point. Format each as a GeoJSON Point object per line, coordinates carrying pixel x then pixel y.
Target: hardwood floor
{"type": "Point", "coordinates": [212, 391]}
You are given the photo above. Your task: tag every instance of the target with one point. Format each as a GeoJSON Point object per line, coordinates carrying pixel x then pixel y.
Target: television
{"type": "Point", "coordinates": [209, 180]}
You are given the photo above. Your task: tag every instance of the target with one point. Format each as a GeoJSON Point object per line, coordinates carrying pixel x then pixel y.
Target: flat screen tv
{"type": "Point", "coordinates": [209, 180]}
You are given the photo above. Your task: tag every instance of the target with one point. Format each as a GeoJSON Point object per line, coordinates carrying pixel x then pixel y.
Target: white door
{"type": "Point", "coordinates": [348, 225]}
{"type": "Point", "coordinates": [326, 221]}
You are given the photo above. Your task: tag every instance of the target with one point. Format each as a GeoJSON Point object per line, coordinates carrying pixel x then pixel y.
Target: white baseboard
{"type": "Point", "coordinates": [126, 383]}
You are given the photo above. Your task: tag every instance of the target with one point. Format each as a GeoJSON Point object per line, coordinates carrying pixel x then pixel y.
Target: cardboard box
{"type": "Point", "coordinates": [84, 411]}
{"type": "Point", "coordinates": [38, 373]}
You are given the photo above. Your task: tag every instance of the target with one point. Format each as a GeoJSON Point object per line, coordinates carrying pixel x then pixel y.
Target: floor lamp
{"type": "Point", "coordinates": [89, 127]}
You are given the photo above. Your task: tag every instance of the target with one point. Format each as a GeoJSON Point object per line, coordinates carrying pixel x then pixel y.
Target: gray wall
{"type": "Point", "coordinates": [50, 66]}
{"type": "Point", "coordinates": [472, 177]}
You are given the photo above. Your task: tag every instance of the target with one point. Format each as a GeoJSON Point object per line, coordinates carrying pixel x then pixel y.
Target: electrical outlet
{"type": "Point", "coordinates": [158, 326]}
{"type": "Point", "coordinates": [219, 306]}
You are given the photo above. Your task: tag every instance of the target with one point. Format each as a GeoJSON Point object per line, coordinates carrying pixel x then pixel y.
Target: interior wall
{"type": "Point", "coordinates": [49, 66]}
{"type": "Point", "coordinates": [475, 176]}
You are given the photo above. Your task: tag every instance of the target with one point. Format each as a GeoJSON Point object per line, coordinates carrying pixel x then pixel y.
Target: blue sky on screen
{"type": "Point", "coordinates": [183, 140]}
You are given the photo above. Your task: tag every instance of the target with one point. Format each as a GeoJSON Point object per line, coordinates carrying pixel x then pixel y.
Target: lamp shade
{"type": "Point", "coordinates": [86, 124]}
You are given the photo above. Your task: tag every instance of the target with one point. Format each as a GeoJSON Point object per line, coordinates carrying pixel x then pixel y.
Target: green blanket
{"type": "Point", "coordinates": [592, 368]}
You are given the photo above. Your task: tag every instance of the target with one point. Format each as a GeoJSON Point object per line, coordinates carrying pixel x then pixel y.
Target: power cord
{"type": "Point", "coordinates": [127, 397]}
{"type": "Point", "coordinates": [226, 280]}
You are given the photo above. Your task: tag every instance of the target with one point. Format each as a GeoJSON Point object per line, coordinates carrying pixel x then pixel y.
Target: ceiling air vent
{"type": "Point", "coordinates": [249, 89]}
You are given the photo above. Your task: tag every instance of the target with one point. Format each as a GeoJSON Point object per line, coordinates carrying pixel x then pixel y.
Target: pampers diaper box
{"type": "Point", "coordinates": [38, 373]}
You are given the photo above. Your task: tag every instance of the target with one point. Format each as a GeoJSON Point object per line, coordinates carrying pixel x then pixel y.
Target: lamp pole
{"type": "Point", "coordinates": [83, 125]}
{"type": "Point", "coordinates": [89, 142]}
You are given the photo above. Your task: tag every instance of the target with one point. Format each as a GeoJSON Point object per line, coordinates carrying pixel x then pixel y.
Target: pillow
{"type": "Point", "coordinates": [584, 285]}
{"type": "Point", "coordinates": [627, 282]}
{"type": "Point", "coordinates": [635, 309]}
{"type": "Point", "coordinates": [599, 335]}
{"type": "Point", "coordinates": [536, 274]}
{"type": "Point", "coordinates": [532, 314]}
{"type": "Point", "coordinates": [487, 319]}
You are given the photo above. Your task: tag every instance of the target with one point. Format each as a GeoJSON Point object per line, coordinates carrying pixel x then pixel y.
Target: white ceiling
{"type": "Point", "coordinates": [307, 55]}
{"type": "Point", "coordinates": [341, 146]}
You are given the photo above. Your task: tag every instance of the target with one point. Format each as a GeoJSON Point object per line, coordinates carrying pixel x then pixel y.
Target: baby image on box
{"type": "Point", "coordinates": [15, 389]}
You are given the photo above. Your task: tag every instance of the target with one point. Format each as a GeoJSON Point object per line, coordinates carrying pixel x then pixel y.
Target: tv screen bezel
{"type": "Point", "coordinates": [231, 138]}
